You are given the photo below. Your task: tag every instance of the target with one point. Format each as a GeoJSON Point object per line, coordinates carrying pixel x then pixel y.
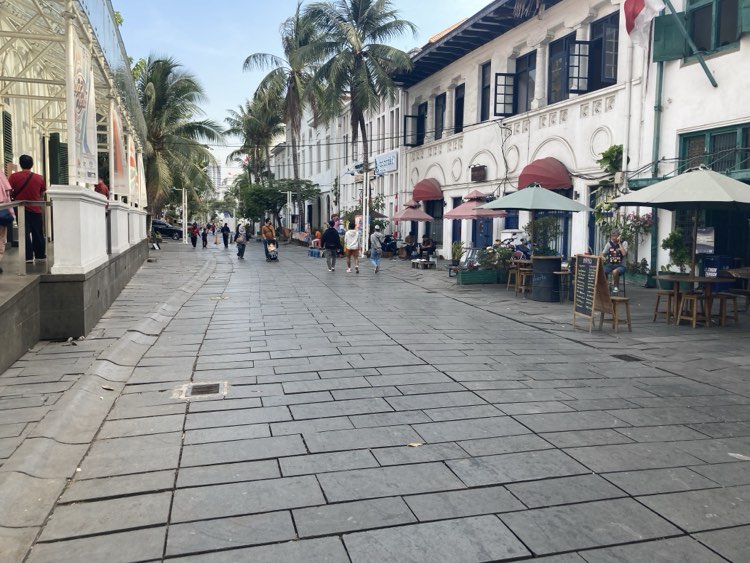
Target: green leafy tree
{"type": "Point", "coordinates": [290, 80]}
{"type": "Point", "coordinates": [176, 154]}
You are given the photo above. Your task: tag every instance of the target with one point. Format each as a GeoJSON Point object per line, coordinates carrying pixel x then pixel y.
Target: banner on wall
{"type": "Point", "coordinates": [142, 198]}
{"type": "Point", "coordinates": [84, 122]}
{"type": "Point", "coordinates": [132, 172]}
{"type": "Point", "coordinates": [119, 181]}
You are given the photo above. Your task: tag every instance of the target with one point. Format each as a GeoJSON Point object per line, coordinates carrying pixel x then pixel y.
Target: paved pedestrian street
{"type": "Point", "coordinates": [227, 410]}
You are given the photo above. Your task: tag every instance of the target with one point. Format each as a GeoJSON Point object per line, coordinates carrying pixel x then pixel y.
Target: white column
{"type": "Point", "coordinates": [118, 215]}
{"type": "Point", "coordinates": [80, 229]}
{"type": "Point", "coordinates": [137, 225]}
{"type": "Point", "coordinates": [540, 84]}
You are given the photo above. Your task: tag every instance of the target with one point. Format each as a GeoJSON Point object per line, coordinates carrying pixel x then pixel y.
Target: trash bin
{"type": "Point", "coordinates": [545, 285]}
{"type": "Point", "coordinates": [712, 265]}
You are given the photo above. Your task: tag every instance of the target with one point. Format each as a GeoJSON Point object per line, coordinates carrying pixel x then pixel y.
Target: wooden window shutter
{"type": "Point", "coordinates": [669, 44]}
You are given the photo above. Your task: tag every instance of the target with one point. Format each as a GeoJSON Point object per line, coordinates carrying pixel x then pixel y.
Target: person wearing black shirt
{"type": "Point", "coordinates": [331, 243]}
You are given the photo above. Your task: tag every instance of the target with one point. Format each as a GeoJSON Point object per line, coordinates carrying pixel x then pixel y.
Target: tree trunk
{"type": "Point", "coordinates": [365, 184]}
{"type": "Point", "coordinates": [295, 167]}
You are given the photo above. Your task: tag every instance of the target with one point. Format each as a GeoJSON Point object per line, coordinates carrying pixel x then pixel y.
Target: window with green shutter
{"type": "Point", "coordinates": [725, 150]}
{"type": "Point", "coordinates": [712, 25]}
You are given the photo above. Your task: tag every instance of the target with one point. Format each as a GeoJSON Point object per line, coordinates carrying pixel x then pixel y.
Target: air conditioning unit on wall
{"type": "Point", "coordinates": [478, 173]}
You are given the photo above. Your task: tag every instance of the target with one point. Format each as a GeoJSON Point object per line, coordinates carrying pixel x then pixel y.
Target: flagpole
{"type": "Point", "coordinates": [691, 44]}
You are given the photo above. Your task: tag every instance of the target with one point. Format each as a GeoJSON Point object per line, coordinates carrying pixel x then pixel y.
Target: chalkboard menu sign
{"type": "Point", "coordinates": [585, 284]}
{"type": "Point", "coordinates": [590, 292]}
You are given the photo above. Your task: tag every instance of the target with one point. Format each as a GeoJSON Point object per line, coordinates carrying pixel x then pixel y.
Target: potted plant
{"type": "Point", "coordinates": [496, 258]}
{"type": "Point", "coordinates": [457, 251]}
{"type": "Point", "coordinates": [679, 256]}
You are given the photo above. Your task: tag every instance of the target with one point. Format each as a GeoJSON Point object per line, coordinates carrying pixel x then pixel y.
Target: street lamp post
{"type": "Point", "coordinates": [366, 208]}
{"type": "Point", "coordinates": [184, 214]}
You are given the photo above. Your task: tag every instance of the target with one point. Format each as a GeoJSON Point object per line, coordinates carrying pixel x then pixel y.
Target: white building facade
{"type": "Point", "coordinates": [500, 101]}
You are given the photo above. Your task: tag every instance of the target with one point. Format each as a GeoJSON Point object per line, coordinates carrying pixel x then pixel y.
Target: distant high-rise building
{"type": "Point", "coordinates": [214, 172]}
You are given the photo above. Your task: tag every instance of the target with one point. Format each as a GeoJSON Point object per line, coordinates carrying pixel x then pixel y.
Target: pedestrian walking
{"type": "Point", "coordinates": [331, 243]}
{"type": "Point", "coordinates": [225, 230]}
{"type": "Point", "coordinates": [268, 234]}
{"type": "Point", "coordinates": [204, 237]}
{"type": "Point", "coordinates": [376, 248]}
{"type": "Point", "coordinates": [215, 231]}
{"type": "Point", "coordinates": [241, 241]}
{"type": "Point", "coordinates": [30, 186]}
{"type": "Point", "coordinates": [6, 215]}
{"type": "Point", "coordinates": [194, 232]}
{"type": "Point", "coordinates": [352, 242]}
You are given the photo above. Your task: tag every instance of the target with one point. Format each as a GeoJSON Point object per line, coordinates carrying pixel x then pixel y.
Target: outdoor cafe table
{"type": "Point", "coordinates": [707, 285]}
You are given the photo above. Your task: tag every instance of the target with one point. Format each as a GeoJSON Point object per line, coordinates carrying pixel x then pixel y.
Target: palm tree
{"type": "Point", "coordinates": [357, 65]}
{"type": "Point", "coordinates": [176, 155]}
{"type": "Point", "coordinates": [290, 80]}
{"type": "Point", "coordinates": [257, 123]}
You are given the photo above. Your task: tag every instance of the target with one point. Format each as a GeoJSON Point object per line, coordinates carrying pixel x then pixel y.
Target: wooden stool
{"type": "Point", "coordinates": [512, 273]}
{"type": "Point", "coordinates": [564, 282]}
{"type": "Point", "coordinates": [616, 301]}
{"type": "Point", "coordinates": [668, 311]}
{"type": "Point", "coordinates": [723, 298]}
{"type": "Point", "coordinates": [691, 311]}
{"type": "Point", "coordinates": [525, 275]}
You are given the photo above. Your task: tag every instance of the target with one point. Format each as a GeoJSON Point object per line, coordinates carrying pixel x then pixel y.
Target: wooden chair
{"type": "Point", "coordinates": [723, 297]}
{"type": "Point", "coordinates": [525, 276]}
{"type": "Point", "coordinates": [689, 308]}
{"type": "Point", "coordinates": [669, 310]}
{"type": "Point", "coordinates": [616, 319]}
{"type": "Point", "coordinates": [512, 277]}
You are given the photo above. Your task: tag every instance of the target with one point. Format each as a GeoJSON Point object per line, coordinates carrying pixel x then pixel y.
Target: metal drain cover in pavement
{"type": "Point", "coordinates": [204, 389]}
{"type": "Point", "coordinates": [195, 391]}
{"type": "Point", "coordinates": [627, 358]}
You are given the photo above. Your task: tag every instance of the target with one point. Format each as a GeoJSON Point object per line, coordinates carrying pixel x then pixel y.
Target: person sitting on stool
{"type": "Point", "coordinates": [614, 254]}
{"type": "Point", "coordinates": [409, 245]}
{"type": "Point", "coordinates": [427, 247]}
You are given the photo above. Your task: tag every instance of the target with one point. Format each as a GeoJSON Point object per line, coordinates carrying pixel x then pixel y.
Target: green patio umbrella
{"type": "Point", "coordinates": [535, 198]}
{"type": "Point", "coordinates": [694, 190]}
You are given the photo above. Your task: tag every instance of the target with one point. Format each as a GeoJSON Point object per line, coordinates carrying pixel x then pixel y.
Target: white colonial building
{"type": "Point", "coordinates": [503, 100]}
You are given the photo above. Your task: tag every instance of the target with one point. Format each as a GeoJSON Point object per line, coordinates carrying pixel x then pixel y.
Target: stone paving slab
{"type": "Point", "coordinates": [482, 538]}
{"type": "Point", "coordinates": [136, 545]}
{"type": "Point", "coordinates": [581, 526]}
{"type": "Point", "coordinates": [240, 531]}
{"type": "Point", "coordinates": [352, 516]}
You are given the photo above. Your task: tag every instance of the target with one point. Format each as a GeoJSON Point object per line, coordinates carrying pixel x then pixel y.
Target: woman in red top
{"type": "Point", "coordinates": [31, 187]}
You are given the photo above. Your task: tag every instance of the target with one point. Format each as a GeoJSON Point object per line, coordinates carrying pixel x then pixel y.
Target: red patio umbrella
{"type": "Point", "coordinates": [470, 208]}
{"type": "Point", "coordinates": [411, 214]}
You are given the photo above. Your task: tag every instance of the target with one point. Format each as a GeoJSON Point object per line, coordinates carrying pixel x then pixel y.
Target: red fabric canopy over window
{"type": "Point", "coordinates": [427, 190]}
{"type": "Point", "coordinates": [548, 172]}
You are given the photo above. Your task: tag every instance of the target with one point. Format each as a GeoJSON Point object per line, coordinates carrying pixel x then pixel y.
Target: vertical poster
{"type": "Point", "coordinates": [132, 171]}
{"type": "Point", "coordinates": [119, 180]}
{"type": "Point", "coordinates": [84, 123]}
{"type": "Point", "coordinates": [142, 198]}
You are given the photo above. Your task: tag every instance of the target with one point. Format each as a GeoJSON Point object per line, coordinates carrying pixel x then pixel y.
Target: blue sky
{"type": "Point", "coordinates": [212, 39]}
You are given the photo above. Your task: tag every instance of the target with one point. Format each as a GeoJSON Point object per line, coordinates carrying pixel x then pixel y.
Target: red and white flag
{"type": "Point", "coordinates": [638, 16]}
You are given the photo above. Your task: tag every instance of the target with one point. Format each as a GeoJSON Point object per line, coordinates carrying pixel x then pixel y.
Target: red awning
{"type": "Point", "coordinates": [548, 172]}
{"type": "Point", "coordinates": [427, 190]}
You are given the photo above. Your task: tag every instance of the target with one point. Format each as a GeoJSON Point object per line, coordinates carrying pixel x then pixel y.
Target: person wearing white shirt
{"type": "Point", "coordinates": [352, 242]}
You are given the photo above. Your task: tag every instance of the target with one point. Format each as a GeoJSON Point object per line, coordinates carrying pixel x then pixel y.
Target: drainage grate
{"type": "Point", "coordinates": [627, 358]}
{"type": "Point", "coordinates": [204, 389]}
